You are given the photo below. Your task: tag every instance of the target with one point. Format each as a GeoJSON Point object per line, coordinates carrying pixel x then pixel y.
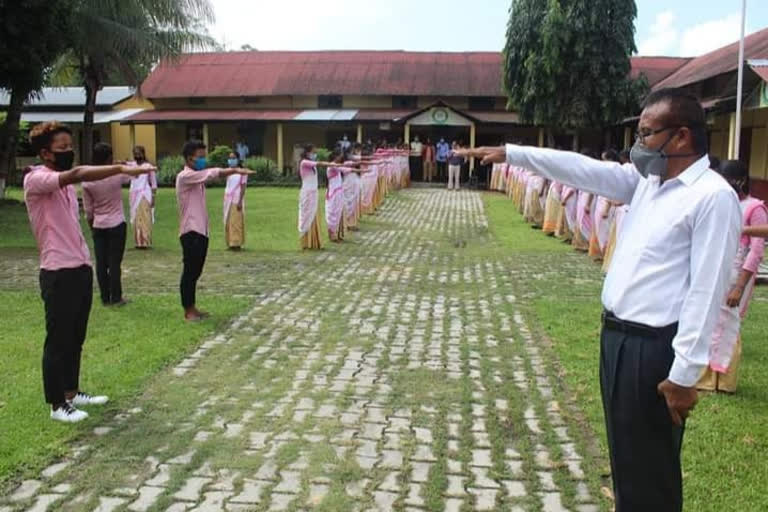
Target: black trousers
{"type": "Point", "coordinates": [195, 248]}
{"type": "Point", "coordinates": [67, 296]}
{"type": "Point", "coordinates": [416, 167]}
{"type": "Point", "coordinates": [643, 441]}
{"type": "Point", "coordinates": [109, 246]}
{"type": "Point", "coordinates": [442, 170]}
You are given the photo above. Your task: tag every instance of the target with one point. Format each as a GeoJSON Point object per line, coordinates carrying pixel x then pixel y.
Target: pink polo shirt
{"type": "Point", "coordinates": [55, 220]}
{"type": "Point", "coordinates": [190, 194]}
{"type": "Point", "coordinates": [103, 201]}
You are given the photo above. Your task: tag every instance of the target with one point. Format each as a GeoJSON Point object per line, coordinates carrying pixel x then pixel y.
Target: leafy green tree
{"type": "Point", "coordinates": [567, 62]}
{"type": "Point", "coordinates": [126, 38]}
{"type": "Point", "coordinates": [32, 34]}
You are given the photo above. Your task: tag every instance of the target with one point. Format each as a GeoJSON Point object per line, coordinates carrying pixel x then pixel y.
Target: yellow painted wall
{"type": "Point", "coordinates": [718, 143]}
{"type": "Point", "coordinates": [757, 119]}
{"type": "Point", "coordinates": [367, 102]}
{"type": "Point", "coordinates": [134, 102]}
{"type": "Point", "coordinates": [758, 163]}
{"type": "Point", "coordinates": [265, 102]}
{"type": "Point", "coordinates": [459, 102]}
{"type": "Point", "coordinates": [121, 140]}
{"type": "Point", "coordinates": [304, 102]}
{"type": "Point", "coordinates": [270, 140]}
{"type": "Point", "coordinates": [170, 138]}
{"type": "Point", "coordinates": [300, 133]}
{"type": "Point", "coordinates": [146, 136]}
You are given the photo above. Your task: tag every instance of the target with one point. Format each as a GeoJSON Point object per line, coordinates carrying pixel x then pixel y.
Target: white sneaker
{"type": "Point", "coordinates": [68, 414]}
{"type": "Point", "coordinates": [81, 399]}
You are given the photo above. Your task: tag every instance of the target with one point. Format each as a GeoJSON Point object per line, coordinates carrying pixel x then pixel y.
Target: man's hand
{"type": "Point", "coordinates": [245, 172]}
{"type": "Point", "coordinates": [734, 297]}
{"type": "Point", "coordinates": [136, 171]}
{"type": "Point", "coordinates": [680, 400]}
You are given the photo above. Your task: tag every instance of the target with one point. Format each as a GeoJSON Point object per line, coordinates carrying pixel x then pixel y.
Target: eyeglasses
{"type": "Point", "coordinates": [642, 135]}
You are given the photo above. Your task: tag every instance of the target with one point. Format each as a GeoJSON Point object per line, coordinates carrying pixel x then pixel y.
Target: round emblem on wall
{"type": "Point", "coordinates": [439, 115]}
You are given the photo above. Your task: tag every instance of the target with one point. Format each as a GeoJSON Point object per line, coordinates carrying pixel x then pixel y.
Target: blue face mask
{"type": "Point", "coordinates": [200, 163]}
{"type": "Point", "coordinates": [232, 162]}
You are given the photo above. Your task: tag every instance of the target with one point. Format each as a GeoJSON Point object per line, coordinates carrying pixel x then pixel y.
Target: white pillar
{"type": "Point", "coordinates": [732, 135]}
{"type": "Point", "coordinates": [407, 133]}
{"type": "Point", "coordinates": [359, 133]}
{"type": "Point", "coordinates": [541, 137]}
{"type": "Point", "coordinates": [205, 136]}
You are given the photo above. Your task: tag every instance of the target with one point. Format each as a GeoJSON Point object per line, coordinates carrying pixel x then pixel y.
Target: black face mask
{"type": "Point", "coordinates": [63, 160]}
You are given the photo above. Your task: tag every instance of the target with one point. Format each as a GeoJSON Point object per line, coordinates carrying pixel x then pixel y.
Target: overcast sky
{"type": "Point", "coordinates": [664, 27]}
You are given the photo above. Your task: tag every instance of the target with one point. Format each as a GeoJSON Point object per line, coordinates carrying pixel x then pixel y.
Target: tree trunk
{"type": "Point", "coordinates": [8, 135]}
{"type": "Point", "coordinates": [91, 89]}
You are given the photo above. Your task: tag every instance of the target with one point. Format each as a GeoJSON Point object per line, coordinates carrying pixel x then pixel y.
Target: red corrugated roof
{"type": "Point", "coordinates": [150, 116]}
{"type": "Point", "coordinates": [722, 60]}
{"type": "Point", "coordinates": [370, 73]}
{"type": "Point", "coordinates": [761, 70]}
{"type": "Point", "coordinates": [656, 69]}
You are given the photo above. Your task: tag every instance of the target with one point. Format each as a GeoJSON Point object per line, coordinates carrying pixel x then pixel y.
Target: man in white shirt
{"type": "Point", "coordinates": [663, 290]}
{"type": "Point", "coordinates": [415, 160]}
{"type": "Point", "coordinates": [242, 150]}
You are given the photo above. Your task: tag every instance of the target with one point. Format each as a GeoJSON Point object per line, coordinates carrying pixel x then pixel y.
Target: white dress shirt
{"type": "Point", "coordinates": [673, 258]}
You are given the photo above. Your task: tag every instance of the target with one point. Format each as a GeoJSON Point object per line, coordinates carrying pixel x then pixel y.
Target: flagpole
{"type": "Point", "coordinates": [740, 83]}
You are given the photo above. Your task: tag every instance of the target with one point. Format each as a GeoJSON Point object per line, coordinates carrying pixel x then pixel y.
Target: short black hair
{"type": "Point", "coordinates": [624, 155]}
{"type": "Point", "coordinates": [735, 172]}
{"type": "Point", "coordinates": [611, 155]}
{"type": "Point", "coordinates": [684, 110]}
{"type": "Point", "coordinates": [102, 153]}
{"type": "Point", "coordinates": [191, 146]}
{"type": "Point", "coordinates": [714, 163]}
{"type": "Point", "coordinates": [733, 169]}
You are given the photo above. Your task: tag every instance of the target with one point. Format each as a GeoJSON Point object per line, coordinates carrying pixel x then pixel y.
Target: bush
{"type": "Point", "coordinates": [218, 156]}
{"type": "Point", "coordinates": [266, 169]}
{"type": "Point", "coordinates": [168, 168]}
{"type": "Point", "coordinates": [323, 154]}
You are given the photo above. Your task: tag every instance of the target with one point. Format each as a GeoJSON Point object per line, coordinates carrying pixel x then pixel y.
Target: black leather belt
{"type": "Point", "coordinates": [614, 323]}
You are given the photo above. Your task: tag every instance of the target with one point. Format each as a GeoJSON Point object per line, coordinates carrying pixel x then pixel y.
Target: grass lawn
{"type": "Point", "coordinates": [127, 346]}
{"type": "Point", "coordinates": [726, 441]}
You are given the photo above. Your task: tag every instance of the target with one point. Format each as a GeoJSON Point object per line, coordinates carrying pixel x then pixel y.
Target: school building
{"type": "Point", "coordinates": [277, 100]}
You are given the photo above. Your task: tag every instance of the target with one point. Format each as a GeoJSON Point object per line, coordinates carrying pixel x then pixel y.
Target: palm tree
{"type": "Point", "coordinates": [126, 38]}
{"type": "Point", "coordinates": [31, 32]}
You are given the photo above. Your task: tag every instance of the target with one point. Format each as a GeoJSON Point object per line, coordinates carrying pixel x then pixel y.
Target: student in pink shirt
{"type": "Point", "coordinates": [193, 220]}
{"type": "Point", "coordinates": [103, 204]}
{"type": "Point", "coordinates": [66, 278]}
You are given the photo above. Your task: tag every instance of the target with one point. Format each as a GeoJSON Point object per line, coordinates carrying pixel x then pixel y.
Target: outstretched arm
{"type": "Point", "coordinates": [83, 173]}
{"type": "Point", "coordinates": [756, 231]}
{"type": "Point", "coordinates": [608, 179]}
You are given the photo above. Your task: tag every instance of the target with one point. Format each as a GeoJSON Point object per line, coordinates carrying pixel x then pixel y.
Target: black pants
{"type": "Point", "coordinates": [195, 249]}
{"type": "Point", "coordinates": [643, 441]}
{"type": "Point", "coordinates": [442, 170]}
{"type": "Point", "coordinates": [109, 246]}
{"type": "Point", "coordinates": [67, 296]}
{"type": "Point", "coordinates": [416, 164]}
